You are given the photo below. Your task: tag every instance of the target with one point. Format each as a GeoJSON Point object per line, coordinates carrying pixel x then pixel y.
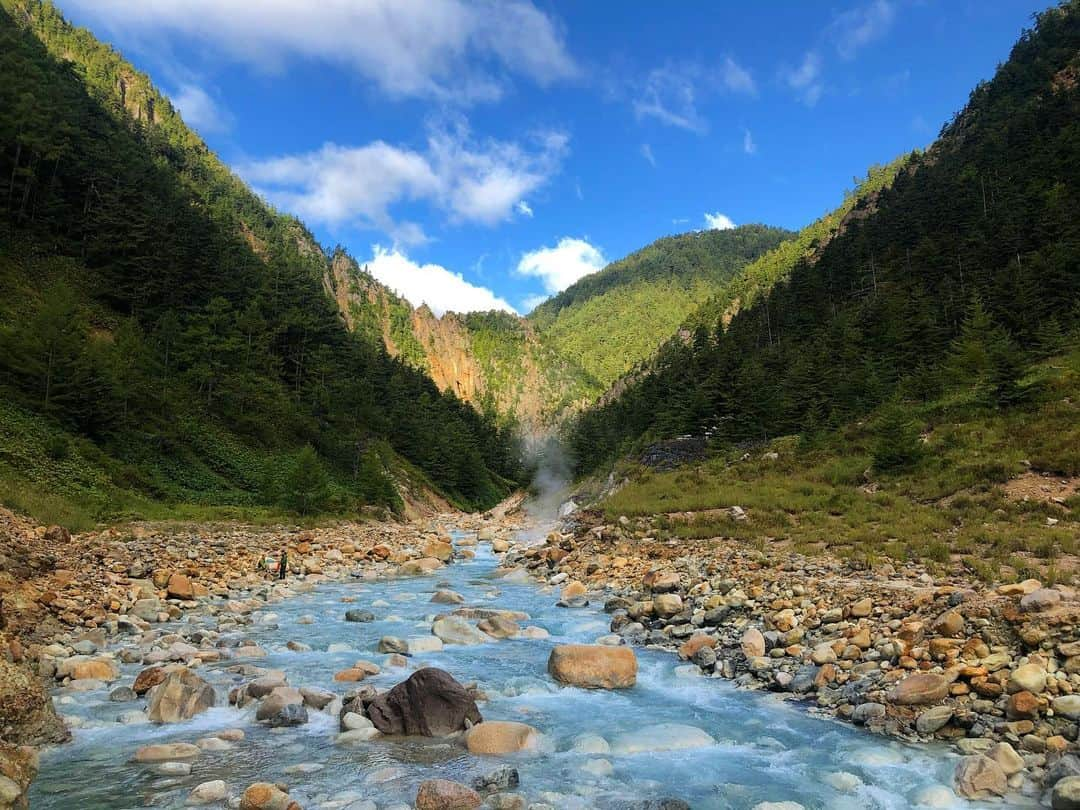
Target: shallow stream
{"type": "Point", "coordinates": [766, 750]}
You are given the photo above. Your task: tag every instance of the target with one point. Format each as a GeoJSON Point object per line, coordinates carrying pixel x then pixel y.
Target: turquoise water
{"type": "Point", "coordinates": [766, 750]}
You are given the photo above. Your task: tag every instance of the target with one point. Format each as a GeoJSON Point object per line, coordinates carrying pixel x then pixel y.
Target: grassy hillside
{"type": "Point", "coordinates": [997, 489]}
{"type": "Point", "coordinates": [613, 319]}
{"type": "Point", "coordinates": [963, 271]}
{"type": "Point", "coordinates": [156, 310]}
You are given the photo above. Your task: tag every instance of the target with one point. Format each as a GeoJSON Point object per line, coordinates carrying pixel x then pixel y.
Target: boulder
{"type": "Point", "coordinates": [18, 767]}
{"type": "Point", "coordinates": [1066, 794]}
{"type": "Point", "coordinates": [359, 616]}
{"type": "Point", "coordinates": [502, 778]}
{"type": "Point", "coordinates": [934, 719]}
{"type": "Point", "coordinates": [148, 609]}
{"type": "Point", "coordinates": [265, 684]}
{"type": "Point", "coordinates": [862, 608]}
{"type": "Point", "coordinates": [1067, 706]}
{"type": "Point", "coordinates": [454, 630]}
{"type": "Point", "coordinates": [179, 587]}
{"type": "Point", "coordinates": [572, 590]}
{"type": "Point", "coordinates": [424, 644]}
{"type": "Point", "coordinates": [84, 668]}
{"type": "Point", "coordinates": [213, 792]}
{"type": "Point", "coordinates": [430, 703]}
{"type": "Point", "coordinates": [180, 696]}
{"type": "Point", "coordinates": [277, 700]}
{"type": "Point", "coordinates": [1006, 757]}
{"type": "Point", "coordinates": [752, 643]}
{"type": "Point", "coordinates": [1028, 678]}
{"type": "Point", "coordinates": [667, 605]}
{"type": "Point", "coordinates": [664, 583]}
{"type": "Point", "coordinates": [443, 552]}
{"type": "Point", "coordinates": [264, 796]}
{"type": "Point", "coordinates": [291, 714]}
{"type": "Point", "coordinates": [920, 689]}
{"type": "Point", "coordinates": [419, 567]}
{"type": "Point", "coordinates": [1040, 600]}
{"type": "Point", "coordinates": [446, 597]}
{"type": "Point", "coordinates": [502, 737]}
{"type": "Point", "coordinates": [662, 737]}
{"type": "Point", "coordinates": [27, 716]}
{"type": "Point", "coordinates": [499, 626]}
{"type": "Point", "coordinates": [442, 794]}
{"type": "Point", "coordinates": [392, 644]}
{"type": "Point", "coordinates": [148, 679]}
{"type": "Point", "coordinates": [593, 666]}
{"type": "Point", "coordinates": [979, 777]}
{"type": "Point", "coordinates": [166, 752]}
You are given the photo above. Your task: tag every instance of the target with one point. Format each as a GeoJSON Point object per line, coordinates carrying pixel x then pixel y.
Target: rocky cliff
{"type": "Point", "coordinates": [493, 360]}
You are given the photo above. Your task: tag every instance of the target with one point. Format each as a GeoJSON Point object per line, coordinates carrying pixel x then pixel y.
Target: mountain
{"type": "Point", "coordinates": [494, 360]}
{"type": "Point", "coordinates": [764, 272]}
{"type": "Point", "coordinates": [535, 371]}
{"type": "Point", "coordinates": [949, 283]}
{"type": "Point", "coordinates": [166, 337]}
{"type": "Point", "coordinates": [609, 321]}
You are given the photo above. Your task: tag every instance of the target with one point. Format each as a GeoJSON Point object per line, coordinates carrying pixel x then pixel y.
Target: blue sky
{"type": "Point", "coordinates": [487, 154]}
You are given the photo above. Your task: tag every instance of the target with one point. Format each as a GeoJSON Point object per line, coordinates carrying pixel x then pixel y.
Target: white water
{"type": "Point", "coordinates": [766, 750]}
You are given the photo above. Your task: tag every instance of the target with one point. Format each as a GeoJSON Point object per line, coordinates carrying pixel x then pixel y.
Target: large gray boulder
{"type": "Point", "coordinates": [430, 703]}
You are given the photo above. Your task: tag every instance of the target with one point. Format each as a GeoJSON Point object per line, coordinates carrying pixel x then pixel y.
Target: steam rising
{"type": "Point", "coordinates": [551, 480]}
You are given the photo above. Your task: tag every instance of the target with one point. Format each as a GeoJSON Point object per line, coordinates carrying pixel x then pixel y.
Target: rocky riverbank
{"type": "Point", "coordinates": [993, 671]}
{"type": "Point", "coordinates": [72, 608]}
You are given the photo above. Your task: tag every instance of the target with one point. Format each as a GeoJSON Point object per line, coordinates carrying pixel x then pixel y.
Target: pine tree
{"type": "Point", "coordinates": [306, 487]}
{"type": "Point", "coordinates": [897, 444]}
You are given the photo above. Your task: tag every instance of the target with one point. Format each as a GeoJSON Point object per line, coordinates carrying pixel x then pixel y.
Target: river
{"type": "Point", "coordinates": [765, 751]}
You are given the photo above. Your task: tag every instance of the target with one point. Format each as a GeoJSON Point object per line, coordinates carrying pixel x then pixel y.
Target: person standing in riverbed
{"type": "Point", "coordinates": [283, 563]}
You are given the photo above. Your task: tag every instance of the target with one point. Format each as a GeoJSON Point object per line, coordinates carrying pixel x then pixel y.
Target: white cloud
{"type": "Point", "coordinates": [432, 284]}
{"type": "Point", "coordinates": [748, 145]}
{"type": "Point", "coordinates": [199, 109]}
{"type": "Point", "coordinates": [459, 50]}
{"type": "Point", "coordinates": [524, 209]}
{"type": "Point", "coordinates": [560, 266]}
{"type": "Point", "coordinates": [480, 182]}
{"type": "Point", "coordinates": [736, 78]}
{"type": "Point", "coordinates": [646, 152]}
{"type": "Point", "coordinates": [718, 222]}
{"type": "Point", "coordinates": [806, 79]}
{"type": "Point", "coordinates": [854, 29]}
{"type": "Point", "coordinates": [669, 95]}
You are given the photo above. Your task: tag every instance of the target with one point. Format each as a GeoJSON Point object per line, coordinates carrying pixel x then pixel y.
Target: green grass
{"type": "Point", "coordinates": [951, 506]}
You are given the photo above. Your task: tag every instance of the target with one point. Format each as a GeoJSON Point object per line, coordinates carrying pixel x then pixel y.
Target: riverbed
{"type": "Point", "coordinates": [765, 750]}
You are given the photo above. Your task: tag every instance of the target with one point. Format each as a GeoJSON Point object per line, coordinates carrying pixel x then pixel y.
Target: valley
{"type": "Point", "coordinates": [750, 518]}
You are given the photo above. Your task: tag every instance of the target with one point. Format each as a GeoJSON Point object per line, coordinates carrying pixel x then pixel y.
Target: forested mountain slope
{"type": "Point", "coordinates": [494, 360]}
{"type": "Point", "coordinates": [611, 320]}
{"type": "Point", "coordinates": [760, 275]}
{"type": "Point", "coordinates": [534, 371]}
{"type": "Point", "coordinates": [165, 335]}
{"type": "Point", "coordinates": [967, 268]}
